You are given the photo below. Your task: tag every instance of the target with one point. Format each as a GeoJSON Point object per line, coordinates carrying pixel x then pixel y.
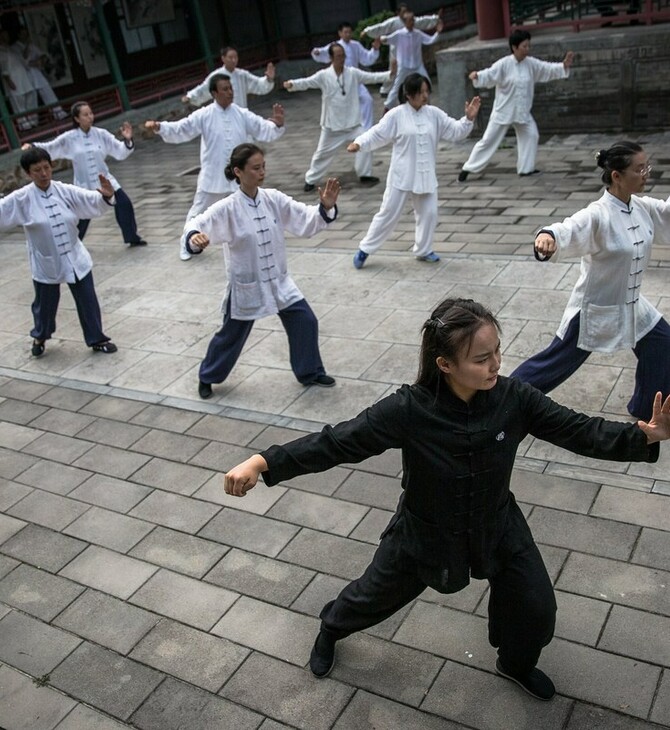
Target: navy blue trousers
{"type": "Point", "coordinates": [45, 307]}
{"type": "Point", "coordinates": [301, 327]}
{"type": "Point", "coordinates": [549, 368]}
{"type": "Point", "coordinates": [125, 217]}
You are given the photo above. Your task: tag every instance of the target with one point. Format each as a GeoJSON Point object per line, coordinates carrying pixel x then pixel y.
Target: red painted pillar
{"type": "Point", "coordinates": [490, 19]}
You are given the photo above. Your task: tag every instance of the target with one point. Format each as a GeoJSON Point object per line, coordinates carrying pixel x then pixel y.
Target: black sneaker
{"type": "Point", "coordinates": [204, 390]}
{"type": "Point", "coordinates": [536, 682]}
{"type": "Point", "coordinates": [308, 187]}
{"type": "Point", "coordinates": [463, 175]}
{"type": "Point", "coordinates": [322, 658]}
{"type": "Point", "coordinates": [369, 179]}
{"type": "Point", "coordinates": [107, 347]}
{"type": "Point", "coordinates": [37, 350]}
{"type": "Point", "coordinates": [325, 381]}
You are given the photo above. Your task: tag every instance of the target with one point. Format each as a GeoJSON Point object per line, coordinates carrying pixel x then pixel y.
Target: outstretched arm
{"type": "Point", "coordinates": [243, 477]}
{"type": "Point", "coordinates": [658, 428]}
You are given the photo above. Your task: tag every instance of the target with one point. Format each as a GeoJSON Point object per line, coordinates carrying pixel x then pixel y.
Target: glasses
{"type": "Point", "coordinates": [643, 170]}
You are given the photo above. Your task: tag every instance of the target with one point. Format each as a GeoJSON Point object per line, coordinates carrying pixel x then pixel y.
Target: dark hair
{"type": "Point", "coordinates": [239, 158]}
{"type": "Point", "coordinates": [619, 157]}
{"type": "Point", "coordinates": [517, 37]}
{"type": "Point", "coordinates": [215, 80]}
{"type": "Point", "coordinates": [412, 86]}
{"type": "Point", "coordinates": [344, 25]}
{"type": "Point", "coordinates": [225, 49]}
{"type": "Point", "coordinates": [75, 109]}
{"type": "Point", "coordinates": [33, 156]}
{"type": "Point", "coordinates": [451, 326]}
{"type": "Point", "coordinates": [403, 7]}
{"type": "Point", "coordinates": [332, 47]}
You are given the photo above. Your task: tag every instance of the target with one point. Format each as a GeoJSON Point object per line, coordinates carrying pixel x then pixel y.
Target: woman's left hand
{"type": "Point", "coordinates": [658, 427]}
{"type": "Point", "coordinates": [472, 108]}
{"type": "Point", "coordinates": [277, 115]}
{"type": "Point", "coordinates": [127, 131]}
{"type": "Point", "coordinates": [329, 193]}
{"type": "Point", "coordinates": [105, 189]}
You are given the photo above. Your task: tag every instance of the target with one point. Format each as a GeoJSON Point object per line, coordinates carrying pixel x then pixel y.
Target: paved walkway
{"type": "Point", "coordinates": [134, 593]}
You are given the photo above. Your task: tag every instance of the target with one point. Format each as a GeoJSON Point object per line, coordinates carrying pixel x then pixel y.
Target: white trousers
{"type": "Point", "coordinates": [201, 201]}
{"type": "Point", "coordinates": [527, 138]}
{"type": "Point", "coordinates": [401, 75]}
{"type": "Point", "coordinates": [383, 223]}
{"type": "Point", "coordinates": [329, 142]}
{"type": "Point", "coordinates": [367, 109]}
{"type": "Point", "coordinates": [20, 103]}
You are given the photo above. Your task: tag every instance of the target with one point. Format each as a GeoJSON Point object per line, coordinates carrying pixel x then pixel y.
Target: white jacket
{"type": "Point", "coordinates": [355, 54]}
{"type": "Point", "coordinates": [242, 81]}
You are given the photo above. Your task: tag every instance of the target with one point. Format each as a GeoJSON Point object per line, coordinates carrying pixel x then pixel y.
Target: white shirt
{"type": "Point", "coordinates": [221, 130]}
{"type": "Point", "coordinates": [614, 241]}
{"type": "Point", "coordinates": [415, 135]}
{"type": "Point", "coordinates": [49, 219]}
{"type": "Point", "coordinates": [423, 22]}
{"type": "Point", "coordinates": [515, 85]}
{"type": "Point", "coordinates": [408, 46]}
{"type": "Point", "coordinates": [355, 54]}
{"type": "Point", "coordinates": [340, 108]}
{"type": "Point", "coordinates": [242, 81]}
{"type": "Point", "coordinates": [88, 151]}
{"type": "Point", "coordinates": [252, 234]}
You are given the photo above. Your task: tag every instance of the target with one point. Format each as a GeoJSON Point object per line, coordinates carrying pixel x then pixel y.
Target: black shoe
{"type": "Point", "coordinates": [463, 175]}
{"type": "Point", "coordinates": [322, 658]}
{"type": "Point", "coordinates": [205, 390]}
{"type": "Point", "coordinates": [528, 174]}
{"type": "Point", "coordinates": [536, 682]}
{"type": "Point", "coordinates": [325, 381]}
{"type": "Point", "coordinates": [140, 242]}
{"type": "Point", "coordinates": [106, 347]}
{"type": "Point", "coordinates": [308, 187]}
{"type": "Point", "coordinates": [37, 350]}
{"type": "Point", "coordinates": [369, 179]}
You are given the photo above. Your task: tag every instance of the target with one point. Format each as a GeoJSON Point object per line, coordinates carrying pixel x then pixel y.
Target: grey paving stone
{"type": "Point", "coordinates": [172, 476]}
{"type": "Point", "coordinates": [66, 398]}
{"type": "Point", "coordinates": [272, 725]}
{"type": "Point", "coordinates": [11, 493]}
{"type": "Point", "coordinates": [84, 718]}
{"type": "Point", "coordinates": [588, 717]}
{"type": "Point", "coordinates": [221, 457]}
{"type": "Point", "coordinates": [7, 565]}
{"type": "Point", "coordinates": [325, 482]}
{"type": "Point", "coordinates": [182, 553]}
{"type": "Point", "coordinates": [15, 436]}
{"type": "Point", "coordinates": [112, 433]}
{"type": "Point", "coordinates": [167, 418]}
{"type": "Point", "coordinates": [175, 446]}
{"type": "Point", "coordinates": [258, 500]}
{"type": "Point", "coordinates": [610, 580]}
{"type": "Point", "coordinates": [16, 411]}
{"type": "Point", "coordinates": [110, 493]}
{"type": "Point", "coordinates": [259, 577]}
{"type": "Point", "coordinates": [273, 630]}
{"type": "Point", "coordinates": [600, 677]}
{"type": "Point", "coordinates": [637, 634]}
{"type": "Point", "coordinates": [331, 554]}
{"type": "Point", "coordinates": [54, 477]}
{"type": "Point", "coordinates": [25, 706]}
{"type": "Point", "coordinates": [49, 510]}
{"type": "Point", "coordinates": [23, 390]}
{"type": "Point", "coordinates": [55, 447]}
{"type": "Point", "coordinates": [554, 559]}
{"type": "Point", "coordinates": [9, 526]}
{"type": "Point", "coordinates": [584, 533]}
{"type": "Point", "coordinates": [372, 489]}
{"type": "Point", "coordinates": [323, 588]}
{"type": "Point", "coordinates": [483, 700]}
{"type": "Point", "coordinates": [230, 430]}
{"type": "Point", "coordinates": [106, 406]}
{"type": "Point", "coordinates": [32, 646]}
{"type": "Point", "coordinates": [173, 510]}
{"type": "Point", "coordinates": [109, 529]}
{"type": "Point", "coordinates": [552, 491]}
{"type": "Point", "coordinates": [468, 599]}
{"type": "Point", "coordinates": [249, 532]}
{"type": "Point", "coordinates": [111, 461]}
{"type": "Point", "coordinates": [13, 463]}
{"type": "Point", "coordinates": [193, 656]}
{"type": "Point", "coordinates": [287, 694]}
{"type": "Point", "coordinates": [649, 510]}
{"type": "Point", "coordinates": [105, 680]}
{"type": "Point", "coordinates": [185, 599]}
{"type": "Point", "coordinates": [176, 705]}
{"type": "Point", "coordinates": [108, 571]}
{"type": "Point", "coordinates": [60, 421]}
{"type": "Point", "coordinates": [37, 592]}
{"type": "Point", "coordinates": [106, 620]}
{"type": "Point", "coordinates": [661, 710]}
{"type": "Point", "coordinates": [371, 526]}
{"type": "Point", "coordinates": [43, 548]}
{"type": "Point", "coordinates": [580, 619]}
{"type": "Point", "coordinates": [318, 512]}
{"type": "Point", "coordinates": [652, 548]}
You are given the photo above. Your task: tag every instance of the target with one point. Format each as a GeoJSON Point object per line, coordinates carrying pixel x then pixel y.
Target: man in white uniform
{"type": "Point", "coordinates": [340, 114]}
{"type": "Point", "coordinates": [18, 85]}
{"type": "Point", "coordinates": [514, 77]}
{"type": "Point", "coordinates": [356, 55]}
{"type": "Point", "coordinates": [221, 127]}
{"type": "Point", "coordinates": [243, 81]}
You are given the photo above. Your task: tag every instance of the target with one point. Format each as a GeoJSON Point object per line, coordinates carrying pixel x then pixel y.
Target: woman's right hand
{"type": "Point", "coordinates": [201, 240]}
{"type": "Point", "coordinates": [545, 244]}
{"type": "Point", "coordinates": [152, 126]}
{"type": "Point", "coordinates": [243, 477]}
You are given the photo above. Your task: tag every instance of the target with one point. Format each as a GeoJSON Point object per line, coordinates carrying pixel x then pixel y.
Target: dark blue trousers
{"type": "Point", "coordinates": [45, 307]}
{"type": "Point", "coordinates": [549, 368]}
{"type": "Point", "coordinates": [301, 327]}
{"type": "Point", "coordinates": [125, 217]}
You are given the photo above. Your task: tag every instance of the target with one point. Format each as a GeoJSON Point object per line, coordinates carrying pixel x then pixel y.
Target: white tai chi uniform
{"type": "Point", "coordinates": [32, 55]}
{"type": "Point", "coordinates": [242, 81]}
{"type": "Point", "coordinates": [340, 116]}
{"type": "Point", "coordinates": [515, 86]}
{"type": "Point", "coordinates": [23, 96]}
{"type": "Point", "coordinates": [415, 135]}
{"type": "Point", "coordinates": [220, 131]}
{"type": "Point", "coordinates": [388, 26]}
{"type": "Point", "coordinates": [408, 47]}
{"type": "Point", "coordinates": [356, 55]}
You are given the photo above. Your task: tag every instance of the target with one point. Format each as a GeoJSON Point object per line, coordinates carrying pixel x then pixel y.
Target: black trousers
{"type": "Point", "coordinates": [125, 217]}
{"type": "Point", "coordinates": [522, 606]}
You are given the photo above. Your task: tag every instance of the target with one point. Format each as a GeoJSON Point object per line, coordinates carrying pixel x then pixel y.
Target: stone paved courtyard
{"type": "Point", "coordinates": [135, 593]}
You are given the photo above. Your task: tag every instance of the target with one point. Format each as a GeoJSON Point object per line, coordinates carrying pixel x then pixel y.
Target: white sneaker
{"type": "Point", "coordinates": [184, 255]}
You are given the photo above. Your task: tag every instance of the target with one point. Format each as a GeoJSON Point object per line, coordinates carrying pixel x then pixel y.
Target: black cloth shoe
{"type": "Point", "coordinates": [536, 682]}
{"type": "Point", "coordinates": [308, 187]}
{"type": "Point", "coordinates": [106, 347]}
{"type": "Point", "coordinates": [139, 242]}
{"type": "Point", "coordinates": [322, 658]}
{"type": "Point", "coordinates": [204, 390]}
{"type": "Point", "coordinates": [325, 381]}
{"type": "Point", "coordinates": [463, 175]}
{"type": "Point", "coordinates": [369, 179]}
{"type": "Point", "coordinates": [528, 174]}
{"type": "Point", "coordinates": [37, 350]}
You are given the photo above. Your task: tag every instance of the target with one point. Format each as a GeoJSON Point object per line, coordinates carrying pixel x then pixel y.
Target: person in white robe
{"type": "Point", "coordinates": [408, 42]}
{"type": "Point", "coordinates": [355, 55]}
{"type": "Point", "coordinates": [514, 78]}
{"type": "Point", "coordinates": [243, 82]}
{"type": "Point", "coordinates": [340, 114]}
{"type": "Point", "coordinates": [415, 129]}
{"type": "Point", "coordinates": [87, 147]}
{"type": "Point", "coordinates": [48, 211]}
{"type": "Point", "coordinates": [221, 126]}
{"type": "Point", "coordinates": [606, 311]}
{"type": "Point", "coordinates": [17, 83]}
{"type": "Point", "coordinates": [250, 226]}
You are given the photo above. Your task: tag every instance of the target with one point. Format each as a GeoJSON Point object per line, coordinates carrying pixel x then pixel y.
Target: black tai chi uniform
{"type": "Point", "coordinates": [457, 517]}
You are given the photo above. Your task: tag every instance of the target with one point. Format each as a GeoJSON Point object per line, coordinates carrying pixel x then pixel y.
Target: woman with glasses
{"type": "Point", "coordinates": [606, 311]}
